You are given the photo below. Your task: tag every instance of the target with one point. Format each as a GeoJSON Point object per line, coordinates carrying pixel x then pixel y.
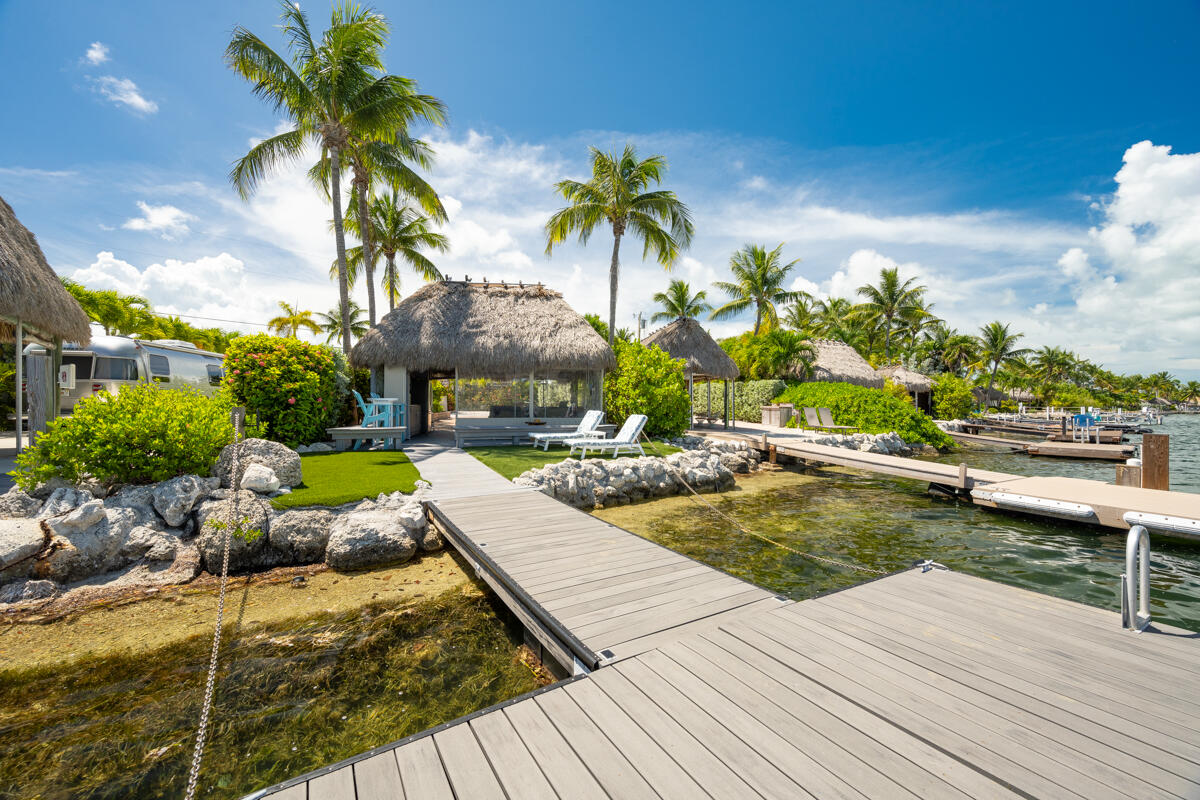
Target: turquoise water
{"type": "Point", "coordinates": [888, 523]}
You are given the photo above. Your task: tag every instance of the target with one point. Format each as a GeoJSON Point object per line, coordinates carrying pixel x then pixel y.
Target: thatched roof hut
{"type": "Point", "coordinates": [838, 361]}
{"type": "Point", "coordinates": [703, 357]}
{"type": "Point", "coordinates": [914, 382]}
{"type": "Point", "coordinates": [483, 330]}
{"type": "Point", "coordinates": [30, 291]}
{"type": "Point", "coordinates": [993, 398]}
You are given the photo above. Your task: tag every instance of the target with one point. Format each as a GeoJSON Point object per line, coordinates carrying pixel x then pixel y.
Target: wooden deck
{"type": "Point", "coordinates": [610, 593]}
{"type": "Point", "coordinates": [930, 685]}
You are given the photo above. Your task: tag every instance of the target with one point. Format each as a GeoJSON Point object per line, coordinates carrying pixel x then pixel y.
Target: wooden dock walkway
{"type": "Point", "coordinates": [918, 685]}
{"type": "Point", "coordinates": [1175, 514]}
{"type": "Point", "coordinates": [1051, 447]}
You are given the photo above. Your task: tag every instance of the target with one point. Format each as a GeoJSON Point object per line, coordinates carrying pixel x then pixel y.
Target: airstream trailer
{"type": "Point", "coordinates": [111, 362]}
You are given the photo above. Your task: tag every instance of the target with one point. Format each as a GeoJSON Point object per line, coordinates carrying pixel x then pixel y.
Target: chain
{"type": "Point", "coordinates": [210, 683]}
{"type": "Point", "coordinates": [697, 497]}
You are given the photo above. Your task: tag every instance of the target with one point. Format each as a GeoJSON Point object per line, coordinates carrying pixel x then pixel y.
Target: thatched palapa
{"type": "Point", "coordinates": [912, 381]}
{"type": "Point", "coordinates": [30, 291]}
{"type": "Point", "coordinates": [483, 330]}
{"type": "Point", "coordinates": [703, 357]}
{"type": "Point", "coordinates": [838, 361]}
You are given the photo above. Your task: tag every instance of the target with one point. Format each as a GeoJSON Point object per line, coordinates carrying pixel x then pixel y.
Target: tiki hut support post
{"type": "Point", "coordinates": [18, 346]}
{"type": "Point", "coordinates": [703, 359]}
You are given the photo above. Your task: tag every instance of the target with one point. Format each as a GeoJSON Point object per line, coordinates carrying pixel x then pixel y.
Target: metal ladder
{"type": "Point", "coordinates": [1137, 549]}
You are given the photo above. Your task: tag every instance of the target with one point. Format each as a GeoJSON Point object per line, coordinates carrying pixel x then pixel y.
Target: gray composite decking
{"type": "Point", "coordinates": [922, 685]}
{"type": "Point", "coordinates": [695, 684]}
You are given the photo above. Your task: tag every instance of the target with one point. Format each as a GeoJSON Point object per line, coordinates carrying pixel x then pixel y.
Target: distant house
{"type": "Point", "coordinates": [506, 353]}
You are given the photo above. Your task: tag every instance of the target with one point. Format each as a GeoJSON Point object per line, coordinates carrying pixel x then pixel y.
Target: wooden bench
{"type": "Point", "coordinates": [342, 437]}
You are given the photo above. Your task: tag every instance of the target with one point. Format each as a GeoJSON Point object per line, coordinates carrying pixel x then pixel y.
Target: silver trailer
{"type": "Point", "coordinates": [111, 362]}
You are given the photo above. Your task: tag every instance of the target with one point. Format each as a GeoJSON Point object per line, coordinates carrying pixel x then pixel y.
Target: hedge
{"type": "Point", "coordinates": [291, 386]}
{"type": "Point", "coordinates": [748, 398]}
{"type": "Point", "coordinates": [871, 410]}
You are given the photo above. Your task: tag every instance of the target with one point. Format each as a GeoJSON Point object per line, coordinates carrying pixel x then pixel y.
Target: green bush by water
{"type": "Point", "coordinates": [291, 697]}
{"type": "Point", "coordinates": [952, 398]}
{"type": "Point", "coordinates": [871, 410]}
{"type": "Point", "coordinates": [647, 381]}
{"type": "Point", "coordinates": [141, 434]}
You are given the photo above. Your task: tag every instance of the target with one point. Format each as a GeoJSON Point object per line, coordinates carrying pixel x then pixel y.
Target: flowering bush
{"type": "Point", "coordinates": [291, 386]}
{"type": "Point", "coordinates": [142, 434]}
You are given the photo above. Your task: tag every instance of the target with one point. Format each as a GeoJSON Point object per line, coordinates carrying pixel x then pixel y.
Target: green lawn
{"type": "Point", "coordinates": [331, 479]}
{"type": "Point", "coordinates": [511, 461]}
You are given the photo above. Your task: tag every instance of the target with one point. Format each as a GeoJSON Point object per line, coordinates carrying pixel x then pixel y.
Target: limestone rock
{"type": "Point", "coordinates": [15, 504]}
{"type": "Point", "coordinates": [300, 536]}
{"type": "Point", "coordinates": [48, 488]}
{"type": "Point", "coordinates": [321, 447]}
{"type": "Point", "coordinates": [174, 499]}
{"type": "Point", "coordinates": [280, 458]}
{"type": "Point", "coordinates": [62, 500]}
{"type": "Point", "coordinates": [20, 541]}
{"type": "Point", "coordinates": [376, 536]}
{"type": "Point", "coordinates": [28, 590]}
{"type": "Point", "coordinates": [78, 519]}
{"type": "Point", "coordinates": [214, 517]}
{"type": "Point", "coordinates": [259, 478]}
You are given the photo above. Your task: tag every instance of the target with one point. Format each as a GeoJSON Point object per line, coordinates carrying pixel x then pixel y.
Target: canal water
{"type": "Point", "coordinates": [886, 523]}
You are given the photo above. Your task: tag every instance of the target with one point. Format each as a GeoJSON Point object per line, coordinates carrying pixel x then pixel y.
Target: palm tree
{"type": "Point", "coordinates": [617, 194]}
{"type": "Point", "coordinates": [788, 354]}
{"type": "Point", "coordinates": [759, 277]}
{"type": "Point", "coordinates": [678, 302]}
{"type": "Point", "coordinates": [918, 319]}
{"type": "Point", "coordinates": [1190, 392]}
{"type": "Point", "coordinates": [801, 315]}
{"type": "Point", "coordinates": [397, 230]}
{"type": "Point", "coordinates": [292, 320]}
{"type": "Point", "coordinates": [831, 313]}
{"type": "Point", "coordinates": [333, 94]}
{"type": "Point", "coordinates": [998, 347]}
{"type": "Point", "coordinates": [331, 323]}
{"type": "Point", "coordinates": [1053, 365]}
{"type": "Point", "coordinates": [890, 300]}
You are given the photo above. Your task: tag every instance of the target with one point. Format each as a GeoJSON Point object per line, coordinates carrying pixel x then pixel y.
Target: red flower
{"type": "Point", "coordinates": [291, 401]}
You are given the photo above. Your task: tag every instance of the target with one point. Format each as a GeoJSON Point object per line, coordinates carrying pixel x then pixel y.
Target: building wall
{"type": "Point", "coordinates": [395, 382]}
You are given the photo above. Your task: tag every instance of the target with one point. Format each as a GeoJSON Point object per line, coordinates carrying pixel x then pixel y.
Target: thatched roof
{"type": "Point", "coordinates": [483, 330]}
{"type": "Point", "coordinates": [703, 357]}
{"type": "Point", "coordinates": [1021, 395]}
{"type": "Point", "coordinates": [838, 361]}
{"type": "Point", "coordinates": [913, 381]}
{"type": "Point", "coordinates": [982, 395]}
{"type": "Point", "coordinates": [30, 290]}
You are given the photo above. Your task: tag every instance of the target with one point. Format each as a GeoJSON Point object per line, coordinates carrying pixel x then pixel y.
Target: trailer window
{"type": "Point", "coordinates": [215, 373]}
{"type": "Point", "coordinates": [83, 366]}
{"type": "Point", "coordinates": [114, 369]}
{"type": "Point", "coordinates": [160, 369]}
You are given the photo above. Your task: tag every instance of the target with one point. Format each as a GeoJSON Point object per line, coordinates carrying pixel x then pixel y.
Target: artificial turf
{"type": "Point", "coordinates": [331, 479]}
{"type": "Point", "coordinates": [511, 461]}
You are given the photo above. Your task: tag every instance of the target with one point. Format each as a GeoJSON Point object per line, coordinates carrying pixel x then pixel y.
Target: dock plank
{"type": "Point", "coordinates": [510, 758]}
{"type": "Point", "coordinates": [463, 759]}
{"type": "Point", "coordinates": [378, 778]}
{"type": "Point", "coordinates": [336, 785]}
{"type": "Point", "coordinates": [421, 771]}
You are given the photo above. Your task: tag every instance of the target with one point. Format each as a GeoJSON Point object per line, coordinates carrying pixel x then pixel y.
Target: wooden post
{"type": "Point", "coordinates": [962, 475]}
{"type": "Point", "coordinates": [771, 454]}
{"type": "Point", "coordinates": [1156, 461]}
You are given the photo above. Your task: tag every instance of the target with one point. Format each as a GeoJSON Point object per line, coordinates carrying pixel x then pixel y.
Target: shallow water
{"type": "Point", "coordinates": [294, 695]}
{"type": "Point", "coordinates": [886, 523]}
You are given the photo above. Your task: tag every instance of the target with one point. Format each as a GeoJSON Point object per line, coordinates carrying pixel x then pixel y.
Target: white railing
{"type": "Point", "coordinates": [1137, 556]}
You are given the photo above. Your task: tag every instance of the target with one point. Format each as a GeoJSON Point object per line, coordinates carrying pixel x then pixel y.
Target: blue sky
{"type": "Point", "coordinates": [992, 150]}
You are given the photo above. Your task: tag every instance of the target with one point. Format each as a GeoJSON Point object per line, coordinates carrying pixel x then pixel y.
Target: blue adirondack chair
{"type": "Point", "coordinates": [371, 418]}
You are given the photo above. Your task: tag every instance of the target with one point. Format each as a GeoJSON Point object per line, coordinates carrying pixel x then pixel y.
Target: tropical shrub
{"type": "Point", "coordinates": [896, 390]}
{"type": "Point", "coordinates": [778, 353]}
{"type": "Point", "coordinates": [871, 410]}
{"type": "Point", "coordinates": [142, 434]}
{"type": "Point", "coordinates": [750, 396]}
{"type": "Point", "coordinates": [1067, 396]}
{"type": "Point", "coordinates": [647, 381]}
{"type": "Point", "coordinates": [291, 386]}
{"type": "Point", "coordinates": [952, 398]}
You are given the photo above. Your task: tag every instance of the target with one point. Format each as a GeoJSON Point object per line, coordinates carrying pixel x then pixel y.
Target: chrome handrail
{"type": "Point", "coordinates": [1137, 549]}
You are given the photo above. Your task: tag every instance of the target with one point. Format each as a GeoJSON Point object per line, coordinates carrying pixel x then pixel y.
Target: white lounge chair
{"type": "Point", "coordinates": [626, 439]}
{"type": "Point", "coordinates": [586, 429]}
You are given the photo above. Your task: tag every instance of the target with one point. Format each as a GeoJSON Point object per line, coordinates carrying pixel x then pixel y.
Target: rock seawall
{"type": "Point", "coordinates": [706, 465]}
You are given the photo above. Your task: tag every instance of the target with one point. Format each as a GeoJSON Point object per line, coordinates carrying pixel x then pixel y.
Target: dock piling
{"type": "Point", "coordinates": [1156, 473]}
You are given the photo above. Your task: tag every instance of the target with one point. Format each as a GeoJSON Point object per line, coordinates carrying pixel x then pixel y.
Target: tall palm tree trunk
{"type": "Point", "coordinates": [391, 268]}
{"type": "Point", "coordinates": [360, 189]}
{"type": "Point", "coordinates": [339, 236]}
{"type": "Point", "coordinates": [613, 271]}
{"type": "Point", "coordinates": [757, 318]}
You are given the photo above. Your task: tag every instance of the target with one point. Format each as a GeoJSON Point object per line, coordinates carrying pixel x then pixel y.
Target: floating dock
{"type": "Point", "coordinates": [1051, 447]}
{"type": "Point", "coordinates": [923, 684]}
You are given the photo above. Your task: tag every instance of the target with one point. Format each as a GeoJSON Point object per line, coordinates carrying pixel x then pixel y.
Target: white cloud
{"type": "Point", "coordinates": [1074, 264]}
{"type": "Point", "coordinates": [97, 53]}
{"type": "Point", "coordinates": [123, 92]}
{"type": "Point", "coordinates": [37, 174]}
{"type": "Point", "coordinates": [166, 220]}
